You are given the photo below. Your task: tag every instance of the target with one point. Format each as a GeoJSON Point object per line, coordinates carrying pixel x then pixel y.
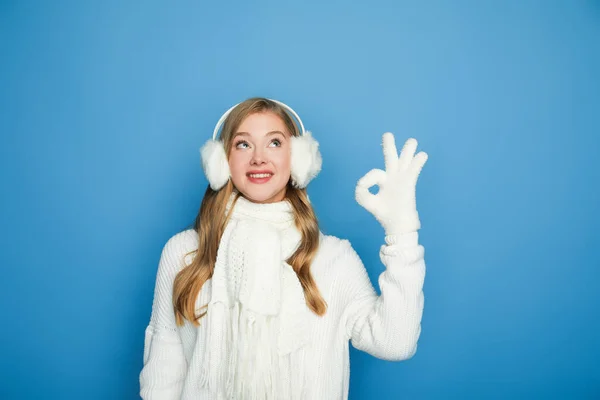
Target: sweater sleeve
{"type": "Point", "coordinates": [165, 366]}
{"type": "Point", "coordinates": [386, 326]}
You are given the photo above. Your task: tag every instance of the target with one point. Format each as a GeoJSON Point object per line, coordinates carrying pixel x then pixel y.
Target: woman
{"type": "Point", "coordinates": [255, 302]}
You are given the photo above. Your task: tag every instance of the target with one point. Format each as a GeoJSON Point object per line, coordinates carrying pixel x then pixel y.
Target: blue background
{"type": "Point", "coordinates": [104, 105]}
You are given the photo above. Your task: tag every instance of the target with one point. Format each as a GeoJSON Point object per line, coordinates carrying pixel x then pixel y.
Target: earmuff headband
{"type": "Point", "coordinates": [224, 116]}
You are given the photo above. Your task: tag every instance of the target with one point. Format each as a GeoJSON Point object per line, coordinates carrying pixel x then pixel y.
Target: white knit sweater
{"type": "Point", "coordinates": [386, 326]}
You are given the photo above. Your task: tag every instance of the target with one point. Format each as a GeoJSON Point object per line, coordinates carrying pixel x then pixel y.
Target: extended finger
{"type": "Point", "coordinates": [417, 165]}
{"type": "Point", "coordinates": [390, 154]}
{"type": "Point", "coordinates": [407, 153]}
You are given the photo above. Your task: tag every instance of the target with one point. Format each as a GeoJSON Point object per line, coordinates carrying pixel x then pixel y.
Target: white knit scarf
{"type": "Point", "coordinates": [256, 321]}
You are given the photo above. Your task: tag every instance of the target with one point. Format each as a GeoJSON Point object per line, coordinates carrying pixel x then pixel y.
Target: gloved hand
{"type": "Point", "coordinates": [394, 206]}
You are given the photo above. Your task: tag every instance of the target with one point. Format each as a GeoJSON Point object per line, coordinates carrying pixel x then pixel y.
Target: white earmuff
{"type": "Point", "coordinates": [214, 163]}
{"type": "Point", "coordinates": [306, 160]}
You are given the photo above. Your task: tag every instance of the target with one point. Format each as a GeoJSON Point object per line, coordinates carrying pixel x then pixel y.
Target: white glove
{"type": "Point", "coordinates": [394, 206]}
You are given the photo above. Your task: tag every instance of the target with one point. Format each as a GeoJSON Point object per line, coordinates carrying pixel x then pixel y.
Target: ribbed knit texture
{"type": "Point", "coordinates": [387, 326]}
{"type": "Point", "coordinates": [257, 313]}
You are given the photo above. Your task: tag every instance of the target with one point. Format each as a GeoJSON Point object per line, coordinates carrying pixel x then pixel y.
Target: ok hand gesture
{"type": "Point", "coordinates": [394, 206]}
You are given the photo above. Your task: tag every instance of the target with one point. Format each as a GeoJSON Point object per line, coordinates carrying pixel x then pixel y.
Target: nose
{"type": "Point", "coordinates": [258, 158]}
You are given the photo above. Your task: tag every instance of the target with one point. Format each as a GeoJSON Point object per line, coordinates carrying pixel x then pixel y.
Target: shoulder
{"type": "Point", "coordinates": [333, 249]}
{"type": "Point", "coordinates": [336, 258]}
{"type": "Point", "coordinates": [178, 250]}
{"type": "Point", "coordinates": [182, 240]}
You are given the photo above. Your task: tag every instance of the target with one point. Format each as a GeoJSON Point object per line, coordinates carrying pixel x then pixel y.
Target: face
{"type": "Point", "coordinates": [259, 159]}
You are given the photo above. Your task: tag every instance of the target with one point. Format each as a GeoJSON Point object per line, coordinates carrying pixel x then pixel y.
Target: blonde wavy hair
{"type": "Point", "coordinates": [211, 221]}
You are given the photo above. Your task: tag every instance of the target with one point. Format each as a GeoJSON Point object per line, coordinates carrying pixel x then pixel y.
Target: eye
{"type": "Point", "coordinates": [277, 142]}
{"type": "Point", "coordinates": [239, 144]}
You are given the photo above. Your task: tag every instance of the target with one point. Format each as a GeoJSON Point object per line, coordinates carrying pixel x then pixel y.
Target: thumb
{"type": "Point", "coordinates": [362, 194]}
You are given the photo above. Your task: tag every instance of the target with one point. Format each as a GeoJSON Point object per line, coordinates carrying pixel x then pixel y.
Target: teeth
{"type": "Point", "coordinates": [260, 175]}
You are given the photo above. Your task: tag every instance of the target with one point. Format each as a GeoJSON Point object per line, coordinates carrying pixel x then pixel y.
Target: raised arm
{"type": "Point", "coordinates": [389, 326]}
{"type": "Point", "coordinates": [386, 326]}
{"type": "Point", "coordinates": [165, 366]}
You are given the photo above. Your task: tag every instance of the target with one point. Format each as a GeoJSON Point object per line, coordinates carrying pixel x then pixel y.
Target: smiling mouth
{"type": "Point", "coordinates": [259, 178]}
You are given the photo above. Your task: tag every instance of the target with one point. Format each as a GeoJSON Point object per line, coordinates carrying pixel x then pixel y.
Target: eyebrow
{"type": "Point", "coordinates": [268, 134]}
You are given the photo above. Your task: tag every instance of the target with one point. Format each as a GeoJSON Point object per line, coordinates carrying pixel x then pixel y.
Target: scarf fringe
{"type": "Point", "coordinates": [239, 352]}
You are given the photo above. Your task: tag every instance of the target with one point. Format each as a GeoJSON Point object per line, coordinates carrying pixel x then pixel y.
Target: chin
{"type": "Point", "coordinates": [263, 194]}
{"type": "Point", "coordinates": [262, 197]}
